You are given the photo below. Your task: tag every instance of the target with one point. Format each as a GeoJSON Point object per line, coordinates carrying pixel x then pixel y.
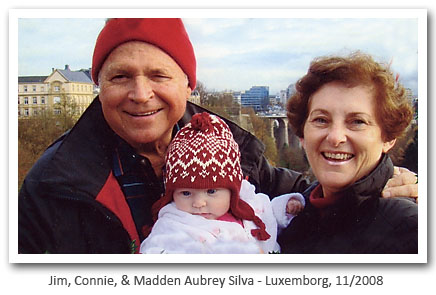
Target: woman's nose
{"type": "Point", "coordinates": [336, 135]}
{"type": "Point", "coordinates": [140, 90]}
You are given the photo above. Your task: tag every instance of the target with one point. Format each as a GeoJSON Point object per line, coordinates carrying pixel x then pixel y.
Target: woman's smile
{"type": "Point", "coordinates": [337, 156]}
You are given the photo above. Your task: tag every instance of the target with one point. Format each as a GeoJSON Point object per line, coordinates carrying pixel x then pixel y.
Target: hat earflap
{"type": "Point", "coordinates": [242, 210]}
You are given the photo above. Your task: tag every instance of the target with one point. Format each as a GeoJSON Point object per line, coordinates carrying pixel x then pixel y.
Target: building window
{"type": "Point", "coordinates": [56, 99]}
{"type": "Point", "coordinates": [26, 112]}
{"type": "Point", "coordinates": [57, 88]}
{"type": "Point", "coordinates": [35, 100]}
{"type": "Point", "coordinates": [18, 100]}
{"type": "Point", "coordinates": [26, 100]}
{"type": "Point", "coordinates": [57, 111]}
{"type": "Point", "coordinates": [34, 88]}
{"type": "Point", "coordinates": [43, 100]}
{"type": "Point", "coordinates": [25, 88]}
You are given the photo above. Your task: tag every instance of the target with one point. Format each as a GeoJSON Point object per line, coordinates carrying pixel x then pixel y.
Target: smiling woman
{"type": "Point", "coordinates": [343, 141]}
{"type": "Point", "coordinates": [348, 112]}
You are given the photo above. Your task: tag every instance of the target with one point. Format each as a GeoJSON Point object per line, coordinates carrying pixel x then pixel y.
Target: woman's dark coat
{"type": "Point", "coordinates": [361, 222]}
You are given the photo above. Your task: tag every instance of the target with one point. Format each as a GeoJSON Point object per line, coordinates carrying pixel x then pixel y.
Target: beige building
{"type": "Point", "coordinates": [38, 93]}
{"type": "Point", "coordinates": [195, 97]}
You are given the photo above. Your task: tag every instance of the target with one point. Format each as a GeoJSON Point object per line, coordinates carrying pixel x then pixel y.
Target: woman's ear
{"type": "Point", "coordinates": [388, 145]}
{"type": "Point", "coordinates": [301, 139]}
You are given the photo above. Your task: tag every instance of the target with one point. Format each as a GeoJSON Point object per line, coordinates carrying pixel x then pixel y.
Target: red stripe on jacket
{"type": "Point", "coordinates": [113, 198]}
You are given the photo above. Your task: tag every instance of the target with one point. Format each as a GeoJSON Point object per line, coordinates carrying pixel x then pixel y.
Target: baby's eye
{"type": "Point", "coordinates": [211, 191]}
{"type": "Point", "coordinates": [185, 193]}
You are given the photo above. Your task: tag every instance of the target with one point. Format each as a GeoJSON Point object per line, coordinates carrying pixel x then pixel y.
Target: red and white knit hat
{"type": "Point", "coordinates": [204, 155]}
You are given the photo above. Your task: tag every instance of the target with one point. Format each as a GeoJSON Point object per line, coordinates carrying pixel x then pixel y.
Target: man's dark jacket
{"type": "Point", "coordinates": [359, 223]}
{"type": "Point", "coordinates": [70, 201]}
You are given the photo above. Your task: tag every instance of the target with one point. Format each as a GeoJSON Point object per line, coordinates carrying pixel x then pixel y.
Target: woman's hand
{"type": "Point", "coordinates": [403, 183]}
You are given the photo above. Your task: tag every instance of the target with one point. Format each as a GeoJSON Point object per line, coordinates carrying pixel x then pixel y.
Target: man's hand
{"type": "Point", "coordinates": [403, 183]}
{"type": "Point", "coordinates": [294, 206]}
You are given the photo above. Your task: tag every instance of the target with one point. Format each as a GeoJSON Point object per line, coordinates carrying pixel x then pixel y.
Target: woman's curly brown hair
{"type": "Point", "coordinates": [394, 111]}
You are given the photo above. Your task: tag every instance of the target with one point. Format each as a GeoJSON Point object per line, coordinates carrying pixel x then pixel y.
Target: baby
{"type": "Point", "coordinates": [208, 207]}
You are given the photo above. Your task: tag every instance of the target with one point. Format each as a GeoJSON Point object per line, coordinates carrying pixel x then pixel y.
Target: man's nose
{"type": "Point", "coordinates": [140, 90]}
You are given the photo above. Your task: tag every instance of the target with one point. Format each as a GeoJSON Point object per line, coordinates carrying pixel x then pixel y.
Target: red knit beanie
{"type": "Point", "coordinates": [168, 34]}
{"type": "Point", "coordinates": [204, 155]}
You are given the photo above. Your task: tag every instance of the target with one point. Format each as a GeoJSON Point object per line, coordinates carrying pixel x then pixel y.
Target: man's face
{"type": "Point", "coordinates": [143, 93]}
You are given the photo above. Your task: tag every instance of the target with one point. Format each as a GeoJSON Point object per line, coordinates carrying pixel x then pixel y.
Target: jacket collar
{"type": "Point", "coordinates": [373, 184]}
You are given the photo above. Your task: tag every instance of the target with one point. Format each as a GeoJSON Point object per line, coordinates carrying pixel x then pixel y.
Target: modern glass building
{"type": "Point", "coordinates": [257, 98]}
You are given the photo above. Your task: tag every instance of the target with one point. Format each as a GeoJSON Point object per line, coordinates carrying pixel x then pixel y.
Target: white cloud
{"type": "Point", "coordinates": [251, 51]}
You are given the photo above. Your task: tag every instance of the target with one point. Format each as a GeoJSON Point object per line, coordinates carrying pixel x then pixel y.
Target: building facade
{"type": "Point", "coordinates": [257, 98]}
{"type": "Point", "coordinates": [195, 97]}
{"type": "Point", "coordinates": [37, 94]}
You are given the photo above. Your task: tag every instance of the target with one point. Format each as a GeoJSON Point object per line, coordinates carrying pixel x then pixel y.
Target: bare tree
{"type": "Point", "coordinates": [37, 132]}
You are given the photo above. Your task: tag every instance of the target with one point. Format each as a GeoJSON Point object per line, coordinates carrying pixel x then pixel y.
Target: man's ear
{"type": "Point", "coordinates": [388, 145]}
{"type": "Point", "coordinates": [188, 92]}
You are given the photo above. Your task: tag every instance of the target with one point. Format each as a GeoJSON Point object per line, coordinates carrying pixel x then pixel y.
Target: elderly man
{"type": "Point", "coordinates": [93, 188]}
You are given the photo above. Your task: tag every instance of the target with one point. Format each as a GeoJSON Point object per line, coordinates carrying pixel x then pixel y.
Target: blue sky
{"type": "Point", "coordinates": [238, 52]}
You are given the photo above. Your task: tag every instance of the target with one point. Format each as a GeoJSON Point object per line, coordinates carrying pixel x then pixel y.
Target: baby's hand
{"type": "Point", "coordinates": [294, 206]}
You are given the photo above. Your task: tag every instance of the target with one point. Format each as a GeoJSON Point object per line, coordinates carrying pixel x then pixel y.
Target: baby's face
{"type": "Point", "coordinates": [209, 203]}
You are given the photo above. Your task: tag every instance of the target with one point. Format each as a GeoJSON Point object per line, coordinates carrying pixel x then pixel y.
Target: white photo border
{"type": "Point", "coordinates": [419, 14]}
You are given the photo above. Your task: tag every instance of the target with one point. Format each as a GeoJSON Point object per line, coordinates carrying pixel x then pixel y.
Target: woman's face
{"type": "Point", "coordinates": [342, 138]}
{"type": "Point", "coordinates": [143, 93]}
